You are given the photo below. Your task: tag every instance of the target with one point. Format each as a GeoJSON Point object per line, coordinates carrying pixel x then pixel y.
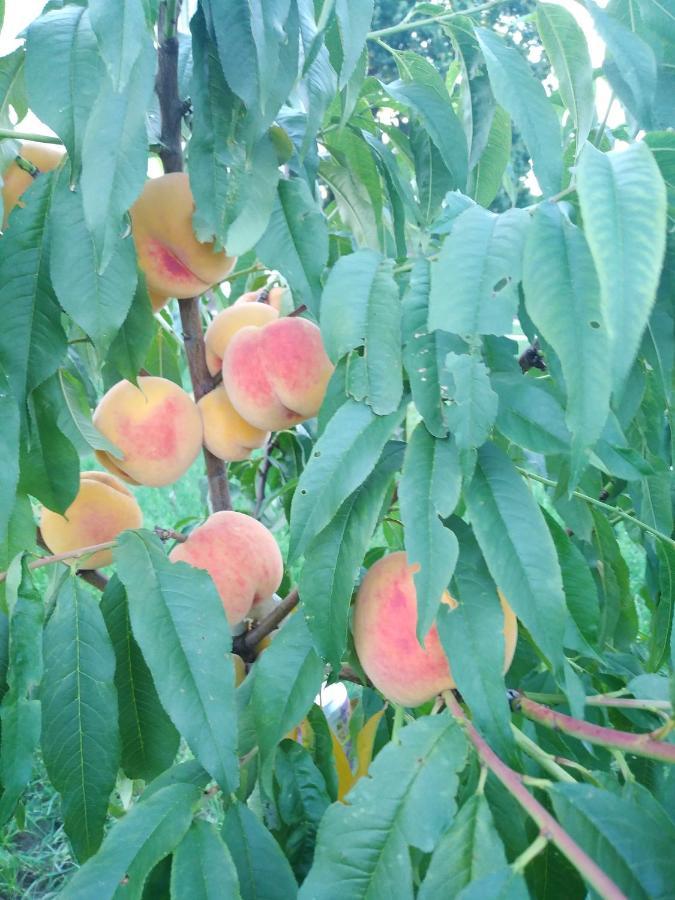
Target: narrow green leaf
{"type": "Point", "coordinates": [121, 32]}
{"type": "Point", "coordinates": [472, 635]}
{"type": "Point", "coordinates": [529, 414]}
{"type": "Point", "coordinates": [129, 350]}
{"type": "Point", "coordinates": [9, 452]}
{"type": "Point", "coordinates": [356, 212]}
{"type": "Point", "coordinates": [79, 414]}
{"type": "Point", "coordinates": [360, 307]}
{"type": "Point", "coordinates": [20, 710]}
{"type": "Point", "coordinates": [296, 241]}
{"type": "Point", "coordinates": [472, 404]}
{"type": "Point", "coordinates": [519, 92]}
{"type": "Point", "coordinates": [12, 91]}
{"type": "Point", "coordinates": [145, 835]}
{"type": "Point", "coordinates": [563, 299]}
{"type": "Point", "coordinates": [662, 145]}
{"type": "Point", "coordinates": [202, 867]}
{"type": "Point", "coordinates": [470, 850]}
{"type": "Point", "coordinates": [342, 459]}
{"type": "Point", "coordinates": [80, 740]}
{"type": "Point", "coordinates": [407, 800]}
{"type": "Point", "coordinates": [353, 18]}
{"type": "Point", "coordinates": [19, 537]}
{"type": "Point", "coordinates": [96, 301]}
{"type": "Point", "coordinates": [485, 178]}
{"type": "Point", "coordinates": [148, 737]}
{"type": "Point", "coordinates": [32, 341]}
{"type": "Point", "coordinates": [428, 492]}
{"type": "Point", "coordinates": [474, 281]}
{"type": "Point", "coordinates": [320, 81]}
{"type": "Point", "coordinates": [503, 884]}
{"type": "Point", "coordinates": [188, 772]}
{"type": "Point", "coordinates": [356, 164]}
{"type": "Point", "coordinates": [623, 201]}
{"type": "Point", "coordinates": [567, 50]}
{"type": "Point", "coordinates": [518, 549]}
{"type": "Point", "coordinates": [618, 831]}
{"type": "Point", "coordinates": [264, 872]}
{"type": "Point", "coordinates": [64, 71]}
{"type": "Point", "coordinates": [179, 623]}
{"type": "Point", "coordinates": [334, 557]}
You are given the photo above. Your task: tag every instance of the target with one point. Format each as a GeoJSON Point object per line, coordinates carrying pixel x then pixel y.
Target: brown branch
{"type": "Point", "coordinates": [94, 578]}
{"type": "Point", "coordinates": [243, 644]}
{"type": "Point", "coordinates": [263, 471]}
{"type": "Point", "coordinates": [636, 744]}
{"type": "Point", "coordinates": [172, 109]}
{"type": "Point", "coordinates": [548, 826]}
{"type": "Point", "coordinates": [298, 311]}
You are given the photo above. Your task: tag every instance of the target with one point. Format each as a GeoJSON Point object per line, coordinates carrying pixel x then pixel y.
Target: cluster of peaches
{"type": "Point", "coordinates": [274, 375]}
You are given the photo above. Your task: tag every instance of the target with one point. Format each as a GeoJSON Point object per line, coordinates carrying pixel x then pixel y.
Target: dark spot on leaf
{"type": "Point", "coordinates": [501, 284]}
{"type": "Point", "coordinates": [594, 324]}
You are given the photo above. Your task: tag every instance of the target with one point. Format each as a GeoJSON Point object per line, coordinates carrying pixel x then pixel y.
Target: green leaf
{"type": "Point", "coordinates": [432, 178]}
{"type": "Point", "coordinates": [520, 93]}
{"type": "Point", "coordinates": [9, 453]}
{"type": "Point", "coordinates": [146, 834]}
{"type": "Point", "coordinates": [149, 739]}
{"type": "Point", "coordinates": [202, 867]}
{"type": "Point", "coordinates": [662, 145]}
{"type": "Point", "coordinates": [408, 799]}
{"type": "Point", "coordinates": [98, 301]}
{"type": "Point", "coordinates": [472, 635]}
{"type": "Point", "coordinates": [562, 298]}
{"type": "Point", "coordinates": [320, 81]}
{"type": "Point", "coordinates": [129, 349]}
{"type": "Point", "coordinates": [518, 549]}
{"type": "Point", "coordinates": [334, 557]}
{"type": "Point", "coordinates": [20, 710]}
{"type": "Point", "coordinates": [431, 103]}
{"type": "Point", "coordinates": [529, 414]}
{"type": "Point", "coordinates": [470, 850]}
{"type": "Point", "coordinates": [567, 50]}
{"type": "Point", "coordinates": [354, 174]}
{"type": "Point", "coordinates": [472, 404]}
{"type": "Point", "coordinates": [115, 152]}
{"type": "Point", "coordinates": [353, 18]}
{"type": "Point", "coordinates": [619, 622]}
{"type": "Point", "coordinates": [121, 33]}
{"type": "Point", "coordinates": [301, 800]}
{"type": "Point", "coordinates": [360, 307]}
{"type": "Point", "coordinates": [503, 884]}
{"type": "Point", "coordinates": [49, 464]}
{"type": "Point", "coordinates": [32, 341]}
{"type": "Point", "coordinates": [179, 623]}
{"type": "Point", "coordinates": [264, 872]}
{"type": "Point", "coordinates": [485, 178]}
{"type": "Point", "coordinates": [623, 202]}
{"type": "Point", "coordinates": [287, 679]}
{"type": "Point", "coordinates": [12, 91]}
{"type": "Point", "coordinates": [296, 241]}
{"type": "Point", "coordinates": [19, 536]}
{"type": "Point", "coordinates": [79, 415]}
{"type": "Point", "coordinates": [342, 459]}
{"type": "Point", "coordinates": [428, 492]}
{"type": "Point", "coordinates": [80, 741]}
{"type": "Point", "coordinates": [64, 71]}
{"type": "Point", "coordinates": [616, 831]}
{"type": "Point", "coordinates": [424, 354]}
{"type": "Point", "coordinates": [474, 281]}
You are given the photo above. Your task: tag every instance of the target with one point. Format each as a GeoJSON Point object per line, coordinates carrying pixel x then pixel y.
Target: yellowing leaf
{"type": "Point", "coordinates": [344, 771]}
{"type": "Point", "coordinates": [364, 744]}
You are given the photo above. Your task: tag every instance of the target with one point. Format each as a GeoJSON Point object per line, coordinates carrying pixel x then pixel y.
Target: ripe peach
{"type": "Point", "coordinates": [102, 509]}
{"type": "Point", "coordinates": [15, 180]}
{"type": "Point", "coordinates": [156, 426]}
{"type": "Point", "coordinates": [227, 323]}
{"type": "Point", "coordinates": [385, 622]}
{"type": "Point", "coordinates": [276, 376]}
{"type": "Point", "coordinates": [226, 434]}
{"type": "Point", "coordinates": [174, 262]}
{"type": "Point", "coordinates": [274, 299]}
{"type": "Point", "coordinates": [157, 299]}
{"type": "Point", "coordinates": [240, 555]}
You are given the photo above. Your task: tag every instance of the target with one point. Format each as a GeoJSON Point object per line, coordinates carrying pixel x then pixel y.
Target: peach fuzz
{"type": "Point", "coordinates": [156, 426]}
{"type": "Point", "coordinates": [226, 434]}
{"type": "Point", "coordinates": [15, 180]}
{"type": "Point", "coordinates": [102, 509]}
{"type": "Point", "coordinates": [240, 555]}
{"type": "Point", "coordinates": [227, 323]}
{"type": "Point", "coordinates": [276, 376]}
{"type": "Point", "coordinates": [174, 262]}
{"type": "Point", "coordinates": [385, 622]}
{"type": "Point", "coordinates": [274, 299]}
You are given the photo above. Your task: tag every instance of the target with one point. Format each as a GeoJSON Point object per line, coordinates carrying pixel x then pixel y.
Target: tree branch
{"type": "Point", "coordinates": [171, 153]}
{"type": "Point", "coordinates": [636, 744]}
{"type": "Point", "coordinates": [243, 644]}
{"type": "Point", "coordinates": [412, 24]}
{"type": "Point", "coordinates": [265, 466]}
{"type": "Point", "coordinates": [548, 826]}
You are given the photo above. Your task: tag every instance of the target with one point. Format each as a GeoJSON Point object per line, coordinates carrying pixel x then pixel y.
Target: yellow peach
{"type": "Point", "coordinates": [15, 180]}
{"type": "Point", "coordinates": [226, 434]}
{"type": "Point", "coordinates": [274, 299]}
{"type": "Point", "coordinates": [227, 323]}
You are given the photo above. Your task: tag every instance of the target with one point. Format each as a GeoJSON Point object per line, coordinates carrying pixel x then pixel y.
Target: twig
{"type": "Point", "coordinates": [605, 700]}
{"type": "Point", "coordinates": [171, 154]}
{"type": "Point", "coordinates": [594, 502]}
{"type": "Point", "coordinates": [265, 466]}
{"type": "Point", "coordinates": [409, 25]}
{"type": "Point", "coordinates": [637, 744]}
{"type": "Point", "coordinates": [545, 760]}
{"type": "Point", "coordinates": [548, 826]}
{"type": "Point", "coordinates": [168, 534]}
{"type": "Point", "coordinates": [29, 136]}
{"type": "Point", "coordinates": [94, 578]}
{"type": "Point", "coordinates": [244, 643]}
{"type": "Point", "coordinates": [298, 311]}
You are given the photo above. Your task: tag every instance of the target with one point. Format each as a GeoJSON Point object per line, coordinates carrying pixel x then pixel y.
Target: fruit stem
{"type": "Point", "coordinates": [545, 760]}
{"type": "Point", "coordinates": [538, 845]}
{"type": "Point", "coordinates": [549, 827]}
{"type": "Point", "coordinates": [637, 744]}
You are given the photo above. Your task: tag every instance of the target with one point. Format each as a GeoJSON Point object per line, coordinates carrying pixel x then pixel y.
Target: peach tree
{"type": "Point", "coordinates": [422, 414]}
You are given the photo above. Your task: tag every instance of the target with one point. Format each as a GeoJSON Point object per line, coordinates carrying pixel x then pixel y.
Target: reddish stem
{"type": "Point", "coordinates": [548, 826]}
{"type": "Point", "coordinates": [637, 744]}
